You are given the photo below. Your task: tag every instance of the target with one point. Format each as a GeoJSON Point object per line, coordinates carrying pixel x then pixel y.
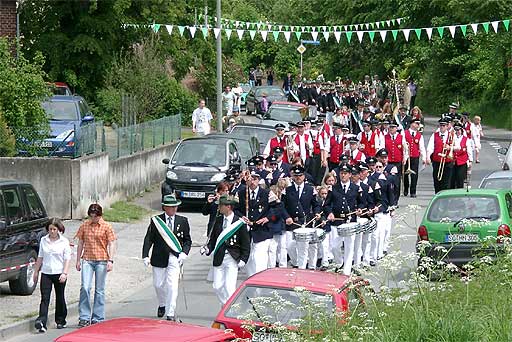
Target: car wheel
{"type": "Point", "coordinates": [25, 284]}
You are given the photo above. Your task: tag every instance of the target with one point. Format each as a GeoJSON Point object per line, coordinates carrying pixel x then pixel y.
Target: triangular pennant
{"type": "Point", "coordinates": [247, 25]}
{"type": "Point", "coordinates": [393, 21]}
{"type": "Point", "coordinates": [463, 28]}
{"type": "Point", "coordinates": [506, 23]}
{"type": "Point", "coordinates": [418, 33]}
{"type": "Point", "coordinates": [258, 26]}
{"type": "Point", "coordinates": [297, 34]}
{"type": "Point", "coordinates": [372, 25]}
{"type": "Point", "coordinates": [383, 35]}
{"type": "Point", "coordinates": [287, 28]}
{"type": "Point", "coordinates": [406, 34]}
{"type": "Point", "coordinates": [440, 30]}
{"type": "Point", "coordinates": [276, 35]}
{"type": "Point", "coordinates": [324, 28]}
{"type": "Point", "coordinates": [474, 27]}
{"type": "Point", "coordinates": [228, 33]}
{"type": "Point", "coordinates": [486, 27]}
{"type": "Point", "coordinates": [303, 28]}
{"type": "Point", "coordinates": [360, 35]}
{"type": "Point", "coordinates": [337, 35]}
{"type": "Point", "coordinates": [495, 25]}
{"type": "Point", "coordinates": [388, 22]}
{"type": "Point", "coordinates": [367, 26]}
{"type": "Point", "coordinates": [314, 34]}
{"type": "Point", "coordinates": [452, 30]}
{"type": "Point", "coordinates": [372, 35]}
{"type": "Point", "coordinates": [181, 29]}
{"type": "Point", "coordinates": [326, 36]}
{"type": "Point", "coordinates": [269, 27]}
{"type": "Point", "coordinates": [357, 26]}
{"type": "Point", "coordinates": [204, 30]}
{"type": "Point", "coordinates": [395, 33]}
{"type": "Point", "coordinates": [264, 35]}
{"type": "Point", "coordinates": [378, 24]}
{"type": "Point", "coordinates": [399, 20]}
{"type": "Point", "coordinates": [237, 23]}
{"type": "Point", "coordinates": [192, 30]}
{"type": "Point", "coordinates": [287, 35]}
{"type": "Point", "coordinates": [280, 27]}
{"type": "Point", "coordinates": [429, 32]}
{"type": "Point", "coordinates": [349, 35]}
{"type": "Point", "coordinates": [156, 27]}
{"type": "Point", "coordinates": [345, 28]}
{"type": "Point", "coordinates": [252, 33]}
{"type": "Point", "coordinates": [216, 32]}
{"type": "Point", "coordinates": [240, 34]}
{"type": "Point", "coordinates": [169, 29]}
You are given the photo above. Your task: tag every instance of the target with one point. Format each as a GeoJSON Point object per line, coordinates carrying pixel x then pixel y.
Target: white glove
{"type": "Point", "coordinates": [204, 250]}
{"type": "Point", "coordinates": [147, 261]}
{"type": "Point", "coordinates": [182, 257]}
{"type": "Point", "coordinates": [241, 264]}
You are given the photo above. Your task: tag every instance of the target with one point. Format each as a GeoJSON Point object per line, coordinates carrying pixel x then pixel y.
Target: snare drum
{"type": "Point", "coordinates": [347, 229]}
{"type": "Point", "coordinates": [319, 236]}
{"type": "Point", "coordinates": [304, 234]}
{"type": "Point", "coordinates": [364, 223]}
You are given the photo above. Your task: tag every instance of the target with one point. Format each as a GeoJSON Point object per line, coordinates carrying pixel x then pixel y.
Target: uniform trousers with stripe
{"type": "Point", "coordinates": [307, 255]}
{"type": "Point", "coordinates": [358, 247]}
{"type": "Point", "coordinates": [277, 251]}
{"type": "Point", "coordinates": [379, 236]}
{"type": "Point", "coordinates": [324, 250]}
{"type": "Point", "coordinates": [258, 259]}
{"type": "Point", "coordinates": [224, 278]}
{"type": "Point", "coordinates": [336, 243]}
{"type": "Point", "coordinates": [165, 281]}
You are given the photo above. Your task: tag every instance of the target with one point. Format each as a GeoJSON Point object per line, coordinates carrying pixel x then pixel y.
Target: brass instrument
{"type": "Point", "coordinates": [409, 170]}
{"type": "Point", "coordinates": [446, 153]}
{"type": "Point", "coordinates": [290, 149]}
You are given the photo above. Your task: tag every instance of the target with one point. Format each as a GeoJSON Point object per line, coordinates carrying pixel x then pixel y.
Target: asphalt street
{"type": "Point", "coordinates": [197, 303]}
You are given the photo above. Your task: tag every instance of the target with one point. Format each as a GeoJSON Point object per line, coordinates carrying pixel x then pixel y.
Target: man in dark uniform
{"type": "Point", "coordinates": [169, 235]}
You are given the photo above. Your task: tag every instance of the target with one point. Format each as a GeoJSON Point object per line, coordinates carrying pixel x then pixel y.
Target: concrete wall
{"type": "Point", "coordinates": [67, 187]}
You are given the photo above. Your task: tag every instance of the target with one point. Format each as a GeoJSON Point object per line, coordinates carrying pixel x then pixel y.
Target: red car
{"type": "Point", "coordinates": [128, 329]}
{"type": "Point", "coordinates": [276, 284]}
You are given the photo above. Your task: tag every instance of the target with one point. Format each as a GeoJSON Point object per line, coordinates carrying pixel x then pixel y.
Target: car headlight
{"type": "Point", "coordinates": [68, 135]}
{"type": "Point", "coordinates": [218, 177]}
{"type": "Point", "coordinates": [171, 175]}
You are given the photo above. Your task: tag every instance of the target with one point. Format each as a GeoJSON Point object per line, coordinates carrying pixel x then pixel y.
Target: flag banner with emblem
{"type": "Point", "coordinates": [227, 233]}
{"type": "Point", "coordinates": [166, 233]}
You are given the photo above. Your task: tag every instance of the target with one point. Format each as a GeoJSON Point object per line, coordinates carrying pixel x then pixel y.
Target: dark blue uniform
{"type": "Point", "coordinates": [258, 209]}
{"type": "Point", "coordinates": [300, 209]}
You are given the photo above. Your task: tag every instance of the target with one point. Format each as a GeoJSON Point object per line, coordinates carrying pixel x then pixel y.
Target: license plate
{"type": "Point", "coordinates": [461, 238]}
{"type": "Point", "coordinates": [44, 144]}
{"type": "Point", "coordinates": [193, 194]}
{"type": "Point", "coordinates": [259, 336]}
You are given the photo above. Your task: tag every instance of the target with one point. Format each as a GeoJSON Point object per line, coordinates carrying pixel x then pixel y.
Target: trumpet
{"type": "Point", "coordinates": [290, 150]}
{"type": "Point", "coordinates": [447, 153]}
{"type": "Point", "coordinates": [409, 170]}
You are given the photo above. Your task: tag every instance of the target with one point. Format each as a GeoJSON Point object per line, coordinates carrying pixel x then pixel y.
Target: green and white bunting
{"type": "Point", "coordinates": [166, 233]}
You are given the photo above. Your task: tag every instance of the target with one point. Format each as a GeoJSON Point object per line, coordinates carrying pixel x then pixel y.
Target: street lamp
{"type": "Point", "coordinates": [219, 69]}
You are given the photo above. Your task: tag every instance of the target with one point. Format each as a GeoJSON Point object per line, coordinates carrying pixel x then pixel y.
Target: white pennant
{"type": "Point", "coordinates": [429, 32]}
{"type": "Point", "coordinates": [378, 24]}
{"type": "Point", "coordinates": [495, 25]}
{"type": "Point", "coordinates": [252, 33]}
{"type": "Point", "coordinates": [383, 35]}
{"type": "Point", "coordinates": [228, 33]}
{"type": "Point", "coordinates": [314, 34]}
{"type": "Point", "coordinates": [399, 20]}
{"type": "Point", "coordinates": [452, 30]}
{"type": "Point", "coordinates": [216, 32]}
{"type": "Point", "coordinates": [474, 27]}
{"type": "Point", "coordinates": [264, 35]}
{"type": "Point", "coordinates": [287, 35]}
{"type": "Point", "coordinates": [367, 26]}
{"type": "Point", "coordinates": [326, 36]}
{"type": "Point", "coordinates": [247, 25]}
{"type": "Point", "coordinates": [303, 28]}
{"type": "Point", "coordinates": [345, 27]}
{"type": "Point", "coordinates": [240, 34]}
{"type": "Point", "coordinates": [337, 35]}
{"type": "Point", "coordinates": [360, 35]}
{"type": "Point", "coordinates": [169, 28]}
{"type": "Point", "coordinates": [192, 30]}
{"type": "Point", "coordinates": [280, 27]}
{"type": "Point", "coordinates": [406, 34]}
{"type": "Point", "coordinates": [269, 27]}
{"type": "Point", "coordinates": [237, 23]}
{"type": "Point", "coordinates": [324, 28]}
{"type": "Point", "coordinates": [357, 26]}
{"type": "Point", "coordinates": [388, 22]}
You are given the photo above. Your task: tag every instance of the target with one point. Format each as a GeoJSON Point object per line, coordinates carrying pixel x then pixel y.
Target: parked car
{"type": "Point", "coordinates": [459, 220]}
{"type": "Point", "coordinates": [22, 224]}
{"type": "Point", "coordinates": [507, 152]}
{"type": "Point", "coordinates": [284, 112]}
{"type": "Point", "coordinates": [197, 165]}
{"type": "Point", "coordinates": [332, 290]}
{"type": "Point", "coordinates": [243, 97]}
{"type": "Point", "coordinates": [497, 180]}
{"type": "Point", "coordinates": [256, 94]}
{"type": "Point", "coordinates": [128, 329]}
{"type": "Point", "coordinates": [59, 88]}
{"type": "Point", "coordinates": [247, 146]}
{"type": "Point", "coordinates": [67, 115]}
{"type": "Point", "coordinates": [261, 132]}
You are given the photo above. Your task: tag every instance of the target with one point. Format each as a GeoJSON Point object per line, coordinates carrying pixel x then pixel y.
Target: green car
{"type": "Point", "coordinates": [460, 220]}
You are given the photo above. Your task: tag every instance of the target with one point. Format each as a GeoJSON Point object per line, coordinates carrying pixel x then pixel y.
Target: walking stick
{"type": "Point", "coordinates": [183, 290]}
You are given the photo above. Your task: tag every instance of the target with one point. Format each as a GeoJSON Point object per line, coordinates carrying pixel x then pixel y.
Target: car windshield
{"type": "Point", "coordinates": [276, 304]}
{"type": "Point", "coordinates": [270, 91]}
{"type": "Point", "coordinates": [200, 151]}
{"type": "Point", "coordinates": [497, 183]}
{"type": "Point", "coordinates": [61, 111]}
{"type": "Point", "coordinates": [284, 114]}
{"type": "Point", "coordinates": [263, 135]}
{"type": "Point", "coordinates": [246, 88]}
{"type": "Point", "coordinates": [244, 148]}
{"type": "Point", "coordinates": [455, 208]}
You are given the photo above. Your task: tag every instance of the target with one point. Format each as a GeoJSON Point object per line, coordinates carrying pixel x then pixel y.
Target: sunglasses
{"type": "Point", "coordinates": [379, 166]}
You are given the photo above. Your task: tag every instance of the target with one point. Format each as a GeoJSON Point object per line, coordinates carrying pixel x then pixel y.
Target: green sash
{"type": "Point", "coordinates": [170, 239]}
{"type": "Point", "coordinates": [227, 233]}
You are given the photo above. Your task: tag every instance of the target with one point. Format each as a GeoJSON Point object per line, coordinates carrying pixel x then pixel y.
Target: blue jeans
{"type": "Point", "coordinates": [99, 270]}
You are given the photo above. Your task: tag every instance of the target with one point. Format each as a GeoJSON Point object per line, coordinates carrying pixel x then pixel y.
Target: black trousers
{"type": "Point", "coordinates": [459, 176]}
{"type": "Point", "coordinates": [411, 180]}
{"type": "Point", "coordinates": [445, 182]}
{"type": "Point", "coordinates": [61, 311]}
{"type": "Point", "coordinates": [315, 169]}
{"type": "Point", "coordinates": [398, 180]}
{"type": "Point", "coordinates": [332, 166]}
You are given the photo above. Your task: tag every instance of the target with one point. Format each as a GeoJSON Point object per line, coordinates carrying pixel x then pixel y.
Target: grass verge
{"type": "Point", "coordinates": [124, 212]}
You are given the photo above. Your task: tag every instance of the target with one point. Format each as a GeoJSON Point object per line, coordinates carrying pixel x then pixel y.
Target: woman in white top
{"type": "Point", "coordinates": [53, 262]}
{"type": "Point", "coordinates": [476, 133]}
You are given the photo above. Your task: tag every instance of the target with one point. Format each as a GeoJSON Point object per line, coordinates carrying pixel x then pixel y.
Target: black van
{"type": "Point", "coordinates": [22, 224]}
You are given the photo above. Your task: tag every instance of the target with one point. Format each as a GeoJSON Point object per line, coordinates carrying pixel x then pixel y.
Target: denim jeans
{"type": "Point", "coordinates": [98, 269]}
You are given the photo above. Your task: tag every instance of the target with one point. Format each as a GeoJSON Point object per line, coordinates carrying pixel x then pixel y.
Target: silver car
{"type": "Point", "coordinates": [497, 180]}
{"type": "Point", "coordinates": [507, 163]}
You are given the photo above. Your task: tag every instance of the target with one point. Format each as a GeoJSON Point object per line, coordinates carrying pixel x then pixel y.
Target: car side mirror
{"type": "Point", "coordinates": [88, 118]}
{"type": "Point", "coordinates": [166, 161]}
{"type": "Point", "coordinates": [503, 150]}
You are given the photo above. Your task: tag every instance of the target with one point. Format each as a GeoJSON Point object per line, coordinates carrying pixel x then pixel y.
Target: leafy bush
{"type": "Point", "coordinates": [7, 141]}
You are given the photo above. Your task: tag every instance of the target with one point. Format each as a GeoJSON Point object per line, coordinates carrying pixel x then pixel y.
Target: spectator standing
{"type": "Point", "coordinates": [53, 262]}
{"type": "Point", "coordinates": [201, 118]}
{"type": "Point", "coordinates": [263, 103]}
{"type": "Point", "coordinates": [95, 257]}
{"type": "Point", "coordinates": [413, 89]}
{"type": "Point", "coordinates": [259, 76]}
{"type": "Point", "coordinates": [252, 77]}
{"type": "Point", "coordinates": [228, 100]}
{"type": "Point", "coordinates": [476, 133]}
{"type": "Point", "coordinates": [270, 77]}
{"type": "Point", "coordinates": [288, 83]}
{"type": "Point", "coordinates": [238, 90]}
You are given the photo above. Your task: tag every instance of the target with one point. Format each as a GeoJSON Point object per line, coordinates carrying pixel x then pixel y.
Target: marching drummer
{"type": "Point", "coordinates": [373, 204]}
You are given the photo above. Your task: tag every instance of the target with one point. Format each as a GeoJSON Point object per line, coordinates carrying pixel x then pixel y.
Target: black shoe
{"type": "Point", "coordinates": [405, 194]}
{"type": "Point", "coordinates": [161, 311]}
{"type": "Point", "coordinates": [95, 322]}
{"type": "Point", "coordinates": [413, 195]}
{"type": "Point", "coordinates": [83, 323]}
{"type": "Point", "coordinates": [171, 318]}
{"type": "Point", "coordinates": [372, 263]}
{"type": "Point", "coordinates": [40, 327]}
{"type": "Point", "coordinates": [385, 253]}
{"type": "Point", "coordinates": [61, 325]}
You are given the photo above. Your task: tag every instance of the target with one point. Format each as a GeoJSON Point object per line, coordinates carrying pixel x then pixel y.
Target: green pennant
{"type": "Point", "coordinates": [372, 25]}
{"type": "Point", "coordinates": [287, 28]}
{"type": "Point", "coordinates": [372, 35]}
{"type": "Point", "coordinates": [506, 23]}
{"type": "Point", "coordinates": [463, 28]}
{"type": "Point", "coordinates": [382, 24]}
{"type": "Point", "coordinates": [486, 27]}
{"type": "Point", "coordinates": [156, 27]}
{"type": "Point", "coordinates": [297, 34]}
{"type": "Point", "coordinates": [393, 21]}
{"type": "Point", "coordinates": [276, 35]}
{"type": "Point", "coordinates": [181, 29]}
{"type": "Point", "coordinates": [205, 32]}
{"type": "Point", "coordinates": [418, 33]}
{"type": "Point", "coordinates": [395, 33]}
{"type": "Point", "coordinates": [349, 35]}
{"type": "Point", "coordinates": [440, 30]}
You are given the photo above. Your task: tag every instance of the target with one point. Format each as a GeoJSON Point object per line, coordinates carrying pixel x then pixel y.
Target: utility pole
{"type": "Point", "coordinates": [219, 70]}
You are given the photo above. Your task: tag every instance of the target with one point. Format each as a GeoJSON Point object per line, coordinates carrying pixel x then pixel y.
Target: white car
{"type": "Point", "coordinates": [507, 163]}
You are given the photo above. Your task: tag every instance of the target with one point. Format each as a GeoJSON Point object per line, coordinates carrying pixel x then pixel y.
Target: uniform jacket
{"type": "Point", "coordinates": [300, 209]}
{"type": "Point", "coordinates": [238, 246]}
{"type": "Point", "coordinates": [258, 209]}
{"type": "Point", "coordinates": [343, 203]}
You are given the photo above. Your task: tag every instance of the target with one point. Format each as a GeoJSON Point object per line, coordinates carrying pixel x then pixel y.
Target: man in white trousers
{"type": "Point", "coordinates": [230, 245]}
{"type": "Point", "coordinates": [169, 235]}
